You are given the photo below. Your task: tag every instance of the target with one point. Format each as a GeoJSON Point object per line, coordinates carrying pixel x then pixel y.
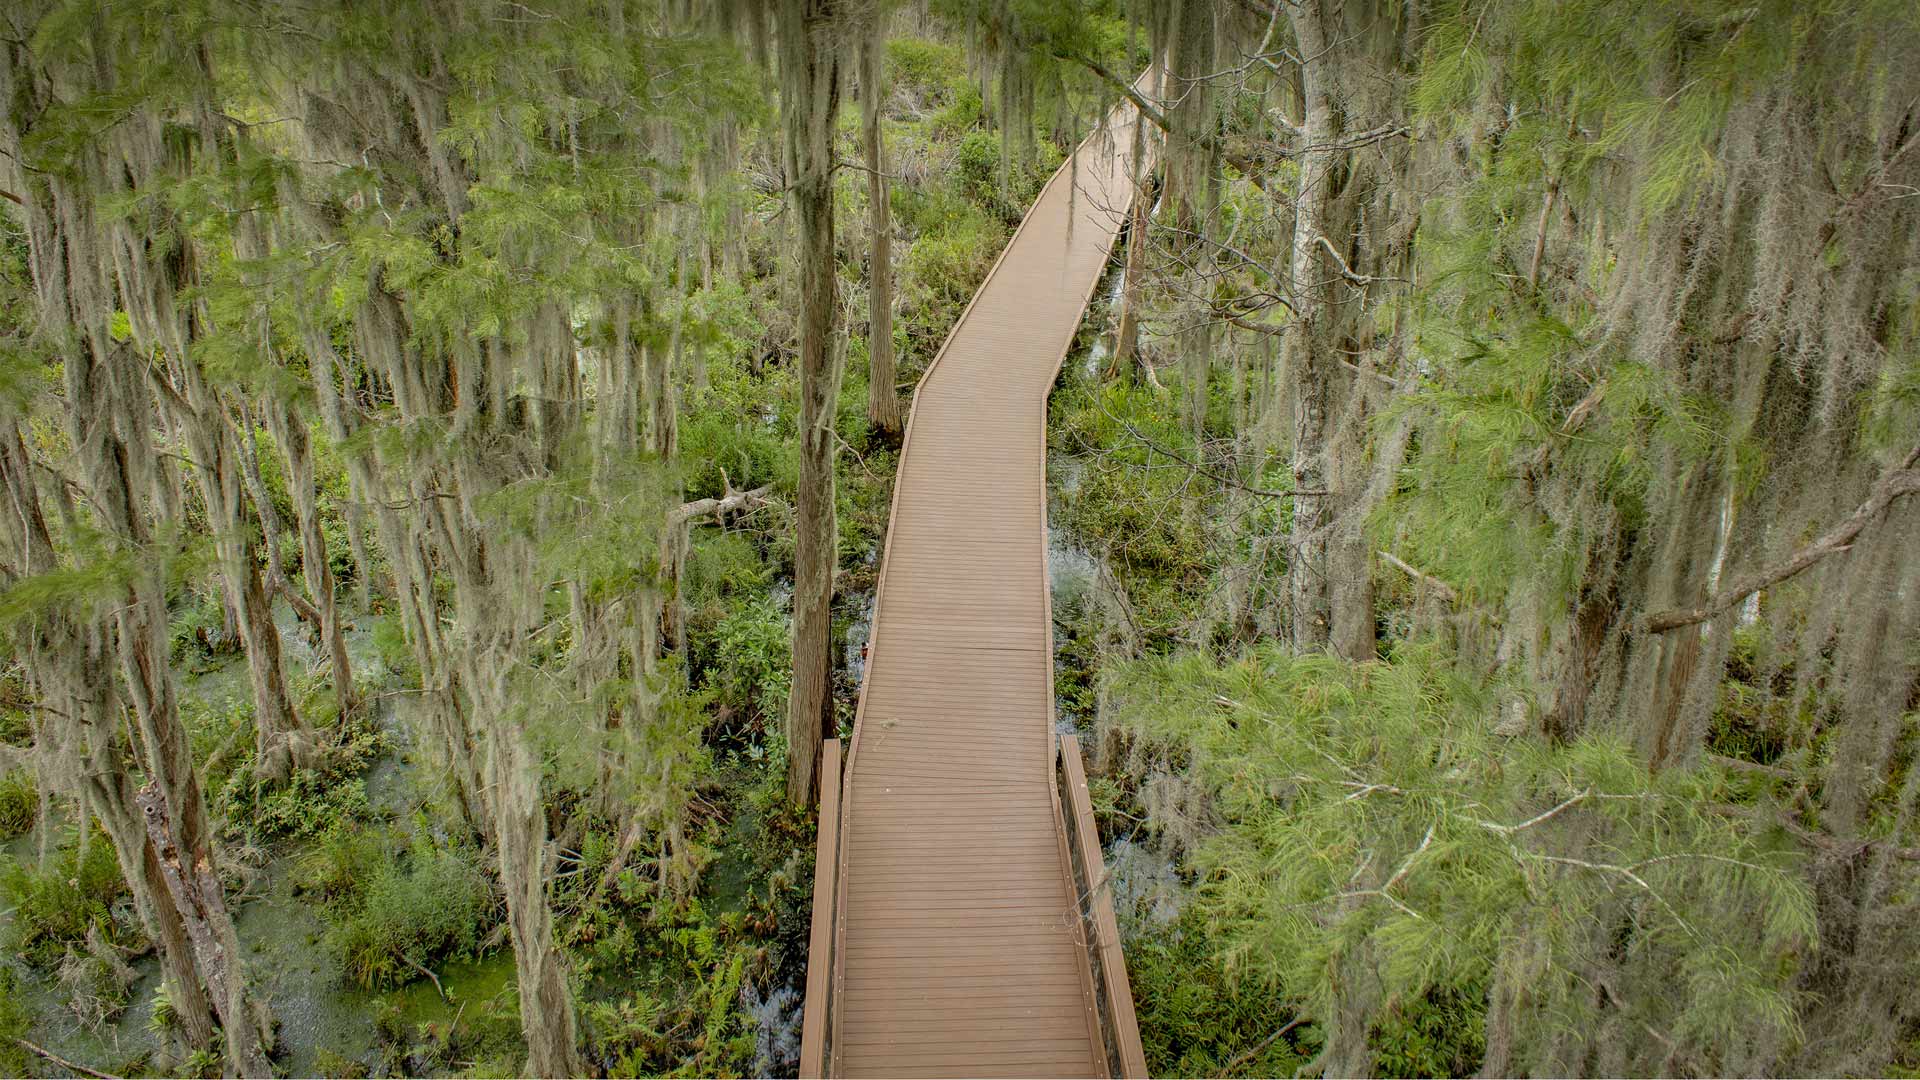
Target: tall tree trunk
{"type": "Point", "coordinates": [1126, 339]}
{"type": "Point", "coordinates": [883, 401]}
{"type": "Point", "coordinates": [175, 811]}
{"type": "Point", "coordinates": [809, 98]}
{"type": "Point", "coordinates": [1310, 614]}
{"type": "Point", "coordinates": [91, 754]}
{"type": "Point", "coordinates": [526, 865]}
{"type": "Point", "coordinates": [201, 414]}
{"type": "Point", "coordinates": [1333, 252]}
{"type": "Point", "coordinates": [105, 392]}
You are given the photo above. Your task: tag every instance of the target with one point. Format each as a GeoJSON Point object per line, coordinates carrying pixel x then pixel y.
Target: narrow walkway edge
{"type": "Point", "coordinates": [960, 926]}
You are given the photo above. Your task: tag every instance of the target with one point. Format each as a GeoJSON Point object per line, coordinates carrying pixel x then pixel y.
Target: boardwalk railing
{"type": "Point", "coordinates": [817, 1019]}
{"type": "Point", "coordinates": [1113, 994]}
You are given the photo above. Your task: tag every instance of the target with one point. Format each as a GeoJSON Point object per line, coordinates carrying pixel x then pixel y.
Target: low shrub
{"type": "Point", "coordinates": [19, 803]}
{"type": "Point", "coordinates": [416, 908]}
{"type": "Point", "coordinates": [934, 71]}
{"type": "Point", "coordinates": [54, 907]}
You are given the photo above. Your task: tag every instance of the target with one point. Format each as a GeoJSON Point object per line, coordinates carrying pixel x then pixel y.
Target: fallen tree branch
{"type": "Point", "coordinates": [1447, 591]}
{"type": "Point", "coordinates": [417, 966]}
{"type": "Point", "coordinates": [63, 1062]}
{"type": "Point", "coordinates": [729, 503]}
{"type": "Point", "coordinates": [1904, 480]}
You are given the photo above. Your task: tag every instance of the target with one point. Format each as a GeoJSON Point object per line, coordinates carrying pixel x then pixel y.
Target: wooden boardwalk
{"type": "Point", "coordinates": [959, 939]}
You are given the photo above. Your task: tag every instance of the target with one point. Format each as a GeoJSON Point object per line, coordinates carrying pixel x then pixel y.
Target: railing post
{"type": "Point", "coordinates": [816, 1018]}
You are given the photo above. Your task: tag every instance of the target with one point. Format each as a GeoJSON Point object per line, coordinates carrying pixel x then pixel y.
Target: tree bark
{"type": "Point", "coordinates": [810, 96]}
{"type": "Point", "coordinates": [883, 401]}
{"type": "Point", "coordinates": [201, 414]}
{"type": "Point", "coordinates": [62, 658]}
{"type": "Point", "coordinates": [526, 865]}
{"type": "Point", "coordinates": [1310, 610]}
{"type": "Point", "coordinates": [104, 387]}
{"type": "Point", "coordinates": [1331, 280]}
{"type": "Point", "coordinates": [1126, 338]}
{"type": "Point", "coordinates": [315, 564]}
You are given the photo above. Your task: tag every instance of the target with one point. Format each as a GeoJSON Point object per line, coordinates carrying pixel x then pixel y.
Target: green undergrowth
{"type": "Point", "coordinates": [19, 803]}
{"type": "Point", "coordinates": [1134, 506]}
{"type": "Point", "coordinates": [1196, 1019]}
{"type": "Point", "coordinates": [53, 907]}
{"type": "Point", "coordinates": [398, 904]}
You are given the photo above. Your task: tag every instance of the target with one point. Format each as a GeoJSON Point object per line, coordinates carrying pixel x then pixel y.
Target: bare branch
{"type": "Point", "coordinates": [1219, 478]}
{"type": "Point", "coordinates": [1509, 830]}
{"type": "Point", "coordinates": [1904, 480]}
{"type": "Point", "coordinates": [1445, 590]}
{"type": "Point", "coordinates": [64, 1063]}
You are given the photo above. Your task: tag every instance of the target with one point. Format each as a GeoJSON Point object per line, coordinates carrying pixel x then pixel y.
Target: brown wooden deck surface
{"type": "Point", "coordinates": [957, 950]}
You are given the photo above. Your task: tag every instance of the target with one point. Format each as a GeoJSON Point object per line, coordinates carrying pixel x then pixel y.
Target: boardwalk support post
{"type": "Point", "coordinates": [816, 1022]}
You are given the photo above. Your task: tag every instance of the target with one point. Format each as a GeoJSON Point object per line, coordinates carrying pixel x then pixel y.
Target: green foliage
{"type": "Point", "coordinates": [753, 664]}
{"type": "Point", "coordinates": [1132, 504]}
{"type": "Point", "coordinates": [722, 565]}
{"type": "Point", "coordinates": [15, 1018]}
{"type": "Point", "coordinates": [204, 1064]}
{"type": "Point", "coordinates": [976, 167]}
{"type": "Point", "coordinates": [685, 1019]}
{"type": "Point", "coordinates": [1196, 1019]}
{"type": "Point", "coordinates": [956, 247]}
{"type": "Point", "coordinates": [1442, 1033]}
{"type": "Point", "coordinates": [338, 1066]}
{"type": "Point", "coordinates": [1366, 815]}
{"type": "Point", "coordinates": [390, 643]}
{"type": "Point", "coordinates": [339, 861]}
{"type": "Point", "coordinates": [984, 175]}
{"type": "Point", "coordinates": [19, 803]}
{"type": "Point", "coordinates": [54, 907]}
{"type": "Point", "coordinates": [1761, 718]}
{"type": "Point", "coordinates": [1652, 79]}
{"type": "Point", "coordinates": [196, 624]}
{"type": "Point", "coordinates": [933, 71]}
{"type": "Point", "coordinates": [627, 1032]}
{"type": "Point", "coordinates": [393, 910]}
{"type": "Point", "coordinates": [963, 113]}
{"type": "Point", "coordinates": [310, 801]}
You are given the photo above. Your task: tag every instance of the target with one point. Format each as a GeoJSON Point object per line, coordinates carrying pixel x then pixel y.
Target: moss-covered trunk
{"type": "Point", "coordinates": [809, 100]}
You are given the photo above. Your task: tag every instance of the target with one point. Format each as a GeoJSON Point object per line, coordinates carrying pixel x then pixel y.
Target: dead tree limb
{"type": "Point", "coordinates": [64, 1063]}
{"type": "Point", "coordinates": [729, 503]}
{"type": "Point", "coordinates": [1451, 595]}
{"type": "Point", "coordinates": [1904, 480]}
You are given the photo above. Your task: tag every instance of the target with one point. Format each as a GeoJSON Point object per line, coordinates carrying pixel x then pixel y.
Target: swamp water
{"type": "Point", "coordinates": [281, 934]}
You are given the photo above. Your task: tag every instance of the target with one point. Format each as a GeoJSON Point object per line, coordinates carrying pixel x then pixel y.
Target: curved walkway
{"type": "Point", "coordinates": [958, 948]}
